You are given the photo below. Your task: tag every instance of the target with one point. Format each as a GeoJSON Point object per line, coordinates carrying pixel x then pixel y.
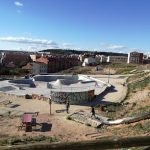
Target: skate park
{"type": "Point", "coordinates": [78, 88]}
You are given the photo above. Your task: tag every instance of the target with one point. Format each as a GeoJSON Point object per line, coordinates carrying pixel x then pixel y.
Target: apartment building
{"type": "Point", "coordinates": [39, 68]}
{"type": "Point", "coordinates": [90, 61]}
{"type": "Point", "coordinates": [58, 63]}
{"type": "Point", "coordinates": [101, 58]}
{"type": "Point", "coordinates": [117, 59]}
{"type": "Point", "coordinates": [18, 59]}
{"type": "Point", "coordinates": [135, 58]}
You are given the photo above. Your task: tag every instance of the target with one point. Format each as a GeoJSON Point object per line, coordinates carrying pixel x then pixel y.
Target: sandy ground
{"type": "Point", "coordinates": [60, 127]}
{"type": "Point", "coordinates": [64, 130]}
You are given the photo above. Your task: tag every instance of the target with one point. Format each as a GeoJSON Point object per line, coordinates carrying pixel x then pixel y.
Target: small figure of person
{"type": "Point", "coordinates": [9, 113]}
{"type": "Point", "coordinates": [50, 105]}
{"type": "Point", "coordinates": [92, 111]}
{"type": "Point", "coordinates": [67, 106]}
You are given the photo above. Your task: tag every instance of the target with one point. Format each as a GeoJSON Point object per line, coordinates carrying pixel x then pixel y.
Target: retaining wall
{"type": "Point", "coordinates": [72, 97]}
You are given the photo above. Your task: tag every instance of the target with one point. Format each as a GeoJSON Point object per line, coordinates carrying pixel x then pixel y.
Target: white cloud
{"type": "Point", "coordinates": [67, 45]}
{"type": "Point", "coordinates": [32, 48]}
{"type": "Point", "coordinates": [114, 47]}
{"type": "Point", "coordinates": [40, 43]}
{"type": "Point", "coordinates": [19, 4]}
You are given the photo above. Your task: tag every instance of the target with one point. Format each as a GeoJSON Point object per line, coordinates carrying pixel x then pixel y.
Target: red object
{"type": "Point", "coordinates": [26, 118]}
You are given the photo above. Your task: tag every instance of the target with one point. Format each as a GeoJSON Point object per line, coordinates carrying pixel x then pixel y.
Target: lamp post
{"type": "Point", "coordinates": [50, 103]}
{"type": "Point", "coordinates": [109, 74]}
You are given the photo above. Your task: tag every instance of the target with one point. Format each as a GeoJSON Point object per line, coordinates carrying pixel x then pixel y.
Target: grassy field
{"type": "Point", "coordinates": [123, 68]}
{"type": "Point", "coordinates": [115, 68]}
{"type": "Point", "coordinates": [77, 70]}
{"type": "Point", "coordinates": [133, 87]}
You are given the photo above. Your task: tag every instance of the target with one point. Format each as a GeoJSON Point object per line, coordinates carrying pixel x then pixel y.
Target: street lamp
{"type": "Point", "coordinates": [50, 103]}
{"type": "Point", "coordinates": [109, 74]}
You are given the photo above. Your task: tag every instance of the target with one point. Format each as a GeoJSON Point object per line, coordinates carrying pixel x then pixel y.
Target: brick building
{"type": "Point", "coordinates": [135, 58]}
{"type": "Point", "coordinates": [18, 59]}
{"type": "Point", "coordinates": [58, 63]}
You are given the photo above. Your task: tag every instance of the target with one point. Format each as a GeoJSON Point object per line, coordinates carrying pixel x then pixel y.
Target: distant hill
{"type": "Point", "coordinates": [72, 51]}
{"type": "Point", "coordinates": [69, 51]}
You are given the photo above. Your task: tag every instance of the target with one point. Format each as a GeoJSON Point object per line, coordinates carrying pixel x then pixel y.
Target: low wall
{"type": "Point", "coordinates": [23, 82]}
{"type": "Point", "coordinates": [72, 97]}
{"type": "Point", "coordinates": [49, 78]}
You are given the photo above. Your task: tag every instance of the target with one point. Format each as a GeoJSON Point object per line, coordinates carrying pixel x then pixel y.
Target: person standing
{"type": "Point", "coordinates": [92, 111]}
{"type": "Point", "coordinates": [50, 106]}
{"type": "Point", "coordinates": [67, 106]}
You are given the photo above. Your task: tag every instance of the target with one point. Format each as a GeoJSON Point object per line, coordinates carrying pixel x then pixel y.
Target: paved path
{"type": "Point", "coordinates": [117, 92]}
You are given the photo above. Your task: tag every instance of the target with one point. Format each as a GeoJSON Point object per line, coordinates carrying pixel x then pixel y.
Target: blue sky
{"type": "Point", "coordinates": [108, 25]}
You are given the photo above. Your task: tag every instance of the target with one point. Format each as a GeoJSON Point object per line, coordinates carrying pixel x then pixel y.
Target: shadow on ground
{"type": "Point", "coordinates": [99, 99]}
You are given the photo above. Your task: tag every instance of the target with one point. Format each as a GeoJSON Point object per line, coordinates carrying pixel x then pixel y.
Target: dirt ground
{"type": "Point", "coordinates": [64, 130]}
{"type": "Point", "coordinates": [57, 124]}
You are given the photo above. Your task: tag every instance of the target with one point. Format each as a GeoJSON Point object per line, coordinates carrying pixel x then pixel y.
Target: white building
{"type": "Point", "coordinates": [146, 59]}
{"type": "Point", "coordinates": [117, 59]}
{"type": "Point", "coordinates": [39, 68]}
{"type": "Point", "coordinates": [103, 59]}
{"type": "Point", "coordinates": [2, 55]}
{"type": "Point", "coordinates": [33, 57]}
{"type": "Point", "coordinates": [81, 58]}
{"type": "Point", "coordinates": [89, 61]}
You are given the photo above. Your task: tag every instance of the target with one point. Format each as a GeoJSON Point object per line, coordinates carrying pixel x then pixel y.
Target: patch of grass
{"type": "Point", "coordinates": [139, 85]}
{"type": "Point", "coordinates": [111, 111]}
{"type": "Point", "coordinates": [123, 65]}
{"type": "Point", "coordinates": [77, 70]}
{"type": "Point", "coordinates": [123, 68]}
{"type": "Point", "coordinates": [26, 140]}
{"type": "Point", "coordinates": [141, 110]}
{"type": "Point", "coordinates": [136, 148]}
{"type": "Point", "coordinates": [138, 126]}
{"type": "Point", "coordinates": [142, 127]}
{"type": "Point", "coordinates": [3, 142]}
{"type": "Point", "coordinates": [137, 76]}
